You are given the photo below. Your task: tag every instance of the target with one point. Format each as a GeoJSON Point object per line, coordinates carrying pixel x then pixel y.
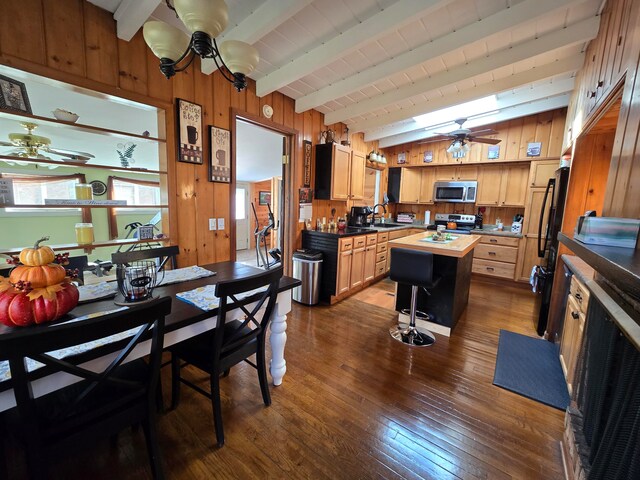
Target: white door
{"type": "Point", "coordinates": [242, 216]}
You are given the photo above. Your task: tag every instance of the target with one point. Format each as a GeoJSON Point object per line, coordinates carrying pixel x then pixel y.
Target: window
{"type": "Point", "coordinates": [147, 193]}
{"type": "Point", "coordinates": [34, 189]}
{"type": "Point", "coordinates": [241, 208]}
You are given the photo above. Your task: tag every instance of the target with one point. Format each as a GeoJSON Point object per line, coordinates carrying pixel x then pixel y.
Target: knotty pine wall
{"type": "Point", "coordinates": [77, 44]}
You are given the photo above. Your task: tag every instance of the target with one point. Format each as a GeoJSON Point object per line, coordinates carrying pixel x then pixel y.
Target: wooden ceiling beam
{"type": "Point", "coordinates": [504, 101]}
{"type": "Point", "coordinates": [572, 35]}
{"type": "Point", "coordinates": [518, 111]}
{"type": "Point", "coordinates": [264, 19]}
{"type": "Point", "coordinates": [374, 27]}
{"type": "Point", "coordinates": [502, 21]}
{"type": "Point", "coordinates": [567, 65]}
{"type": "Point", "coordinates": [131, 15]}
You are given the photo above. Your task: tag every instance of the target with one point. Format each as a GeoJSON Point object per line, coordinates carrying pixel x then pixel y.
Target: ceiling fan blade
{"type": "Point", "coordinates": [69, 153]}
{"type": "Point", "coordinates": [490, 141]}
{"type": "Point", "coordinates": [486, 131]}
{"type": "Point", "coordinates": [441, 138]}
{"type": "Point", "coordinates": [7, 144]}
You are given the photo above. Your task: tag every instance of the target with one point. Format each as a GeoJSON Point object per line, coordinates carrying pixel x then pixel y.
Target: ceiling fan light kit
{"type": "Point", "coordinates": [205, 19]}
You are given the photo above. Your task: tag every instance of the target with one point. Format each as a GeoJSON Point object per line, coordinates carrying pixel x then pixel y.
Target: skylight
{"type": "Point", "coordinates": [446, 116]}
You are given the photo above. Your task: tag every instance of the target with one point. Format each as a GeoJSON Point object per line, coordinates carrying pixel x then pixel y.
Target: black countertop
{"type": "Point", "coordinates": [620, 266]}
{"type": "Point", "coordinates": [391, 227]}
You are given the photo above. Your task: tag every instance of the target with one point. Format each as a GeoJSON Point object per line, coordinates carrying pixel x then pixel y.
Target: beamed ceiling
{"type": "Point", "coordinates": [376, 64]}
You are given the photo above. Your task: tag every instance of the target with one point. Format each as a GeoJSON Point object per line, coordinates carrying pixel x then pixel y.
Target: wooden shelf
{"type": "Point", "coordinates": [80, 165]}
{"type": "Point", "coordinates": [21, 117]}
{"type": "Point", "coordinates": [76, 246]}
{"type": "Point", "coordinates": [85, 206]}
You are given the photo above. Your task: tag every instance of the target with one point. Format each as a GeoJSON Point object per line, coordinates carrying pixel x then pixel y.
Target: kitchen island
{"type": "Point", "coordinates": [447, 301]}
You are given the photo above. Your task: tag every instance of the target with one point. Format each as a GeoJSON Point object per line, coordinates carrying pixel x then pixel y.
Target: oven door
{"type": "Point", "coordinates": [450, 193]}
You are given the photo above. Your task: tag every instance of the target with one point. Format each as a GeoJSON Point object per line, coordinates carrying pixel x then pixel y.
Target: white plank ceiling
{"type": "Point", "coordinates": [377, 64]}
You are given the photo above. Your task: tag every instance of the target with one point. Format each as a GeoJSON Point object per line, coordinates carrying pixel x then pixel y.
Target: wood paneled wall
{"type": "Point", "coordinates": [75, 42]}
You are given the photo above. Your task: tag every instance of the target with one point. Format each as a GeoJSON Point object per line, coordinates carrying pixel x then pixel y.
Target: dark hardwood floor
{"type": "Point", "coordinates": [356, 404]}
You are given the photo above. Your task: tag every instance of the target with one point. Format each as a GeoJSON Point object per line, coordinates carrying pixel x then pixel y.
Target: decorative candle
{"type": "Point", "coordinates": [84, 233]}
{"type": "Point", "coordinates": [84, 191]}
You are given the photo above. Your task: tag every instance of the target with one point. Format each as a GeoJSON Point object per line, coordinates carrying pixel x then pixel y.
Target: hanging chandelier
{"type": "Point", "coordinates": [205, 19]}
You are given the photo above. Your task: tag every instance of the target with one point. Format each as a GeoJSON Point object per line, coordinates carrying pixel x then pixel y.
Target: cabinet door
{"type": "Point", "coordinates": [446, 173]}
{"type": "Point", "coordinates": [370, 263]}
{"type": "Point", "coordinates": [467, 173]}
{"type": "Point", "coordinates": [344, 272]}
{"type": "Point", "coordinates": [341, 163]}
{"type": "Point", "coordinates": [358, 162]}
{"type": "Point", "coordinates": [357, 268]}
{"type": "Point", "coordinates": [527, 257]}
{"type": "Point", "coordinates": [428, 178]}
{"type": "Point", "coordinates": [533, 211]}
{"type": "Point", "coordinates": [489, 179]}
{"type": "Point", "coordinates": [410, 185]}
{"type": "Point", "coordinates": [541, 172]}
{"type": "Point", "coordinates": [513, 188]}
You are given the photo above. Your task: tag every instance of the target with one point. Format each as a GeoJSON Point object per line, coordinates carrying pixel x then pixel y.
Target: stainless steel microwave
{"type": "Point", "coordinates": [455, 192]}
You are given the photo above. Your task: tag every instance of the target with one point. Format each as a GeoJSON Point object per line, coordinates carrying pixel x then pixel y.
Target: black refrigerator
{"type": "Point", "coordinates": [553, 203]}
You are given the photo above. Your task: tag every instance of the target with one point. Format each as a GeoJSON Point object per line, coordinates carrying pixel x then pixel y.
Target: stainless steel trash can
{"type": "Point", "coordinates": [307, 267]}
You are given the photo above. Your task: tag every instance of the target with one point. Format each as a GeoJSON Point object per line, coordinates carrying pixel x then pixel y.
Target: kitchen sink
{"type": "Point", "coordinates": [388, 225]}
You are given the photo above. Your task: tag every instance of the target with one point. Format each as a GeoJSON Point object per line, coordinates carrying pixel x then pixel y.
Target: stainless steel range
{"type": "Point", "coordinates": [464, 223]}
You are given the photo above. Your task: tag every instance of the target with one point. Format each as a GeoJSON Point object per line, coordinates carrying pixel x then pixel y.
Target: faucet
{"type": "Point", "coordinates": [373, 211]}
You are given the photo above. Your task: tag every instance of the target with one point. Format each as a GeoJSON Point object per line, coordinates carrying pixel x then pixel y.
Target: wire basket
{"type": "Point", "coordinates": [136, 280]}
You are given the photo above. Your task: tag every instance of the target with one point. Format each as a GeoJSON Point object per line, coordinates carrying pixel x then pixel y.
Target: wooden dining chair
{"type": "Point", "coordinates": [164, 254]}
{"type": "Point", "coordinates": [80, 263]}
{"type": "Point", "coordinates": [231, 342]}
{"type": "Point", "coordinates": [103, 402]}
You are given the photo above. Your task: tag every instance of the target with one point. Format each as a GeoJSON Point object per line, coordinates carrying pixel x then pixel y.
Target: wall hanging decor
{"type": "Point", "coordinates": [306, 145]}
{"type": "Point", "coordinates": [13, 95]}
{"type": "Point", "coordinates": [220, 156]}
{"type": "Point", "coordinates": [189, 131]}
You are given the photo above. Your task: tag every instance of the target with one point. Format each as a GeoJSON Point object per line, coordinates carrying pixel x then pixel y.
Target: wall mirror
{"type": "Point", "coordinates": [116, 146]}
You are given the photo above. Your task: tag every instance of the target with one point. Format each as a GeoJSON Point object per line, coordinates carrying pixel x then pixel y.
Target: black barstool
{"type": "Point", "coordinates": [415, 268]}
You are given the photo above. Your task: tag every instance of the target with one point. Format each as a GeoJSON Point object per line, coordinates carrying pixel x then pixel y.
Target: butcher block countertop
{"type": "Point", "coordinates": [459, 247]}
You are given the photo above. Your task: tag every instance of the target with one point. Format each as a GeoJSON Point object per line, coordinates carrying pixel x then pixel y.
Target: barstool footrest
{"type": "Point", "coordinates": [411, 336]}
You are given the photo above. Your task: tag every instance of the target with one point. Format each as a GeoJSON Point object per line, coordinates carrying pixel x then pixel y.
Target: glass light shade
{"type": "Point", "coordinates": [208, 16]}
{"type": "Point", "coordinates": [240, 57]}
{"type": "Point", "coordinates": [164, 40]}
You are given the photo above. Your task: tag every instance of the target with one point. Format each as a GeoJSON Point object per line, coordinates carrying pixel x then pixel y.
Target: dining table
{"type": "Point", "coordinates": [185, 321]}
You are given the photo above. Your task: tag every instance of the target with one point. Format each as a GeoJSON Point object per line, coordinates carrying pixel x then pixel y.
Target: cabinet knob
{"type": "Point", "coordinates": [492, 253]}
{"type": "Point", "coordinates": [600, 83]}
{"type": "Point", "coordinates": [490, 269]}
{"type": "Point", "coordinates": [591, 94]}
{"type": "Point", "coordinates": [575, 315]}
{"type": "Point", "coordinates": [493, 240]}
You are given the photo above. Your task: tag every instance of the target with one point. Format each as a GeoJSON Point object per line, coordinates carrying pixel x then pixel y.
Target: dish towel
{"type": "Point", "coordinates": [533, 278]}
{"type": "Point", "coordinates": [205, 298]}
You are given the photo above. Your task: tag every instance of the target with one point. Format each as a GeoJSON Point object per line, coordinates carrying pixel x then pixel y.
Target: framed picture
{"type": "Point", "coordinates": [533, 149]}
{"type": "Point", "coordinates": [220, 155]}
{"type": "Point", "coordinates": [189, 131]}
{"type": "Point", "coordinates": [428, 156]}
{"type": "Point", "coordinates": [264, 197]}
{"type": "Point", "coordinates": [306, 145]}
{"type": "Point", "coordinates": [402, 158]}
{"type": "Point", "coordinates": [306, 195]}
{"type": "Point", "coordinates": [493, 152]}
{"type": "Point", "coordinates": [13, 95]}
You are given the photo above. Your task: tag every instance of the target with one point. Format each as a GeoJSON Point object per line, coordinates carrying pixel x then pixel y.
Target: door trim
{"type": "Point", "coordinates": [288, 172]}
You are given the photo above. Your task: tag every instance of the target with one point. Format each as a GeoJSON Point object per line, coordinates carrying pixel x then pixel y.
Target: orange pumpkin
{"type": "Point", "coordinates": [37, 255]}
{"type": "Point", "coordinates": [41, 276]}
{"type": "Point", "coordinates": [18, 309]}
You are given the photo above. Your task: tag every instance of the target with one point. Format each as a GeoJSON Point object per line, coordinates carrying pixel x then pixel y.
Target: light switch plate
{"type": "Point", "coordinates": [221, 224]}
{"type": "Point", "coordinates": [212, 224]}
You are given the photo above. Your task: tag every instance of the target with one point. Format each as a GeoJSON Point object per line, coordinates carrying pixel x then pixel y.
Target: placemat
{"type": "Point", "coordinates": [205, 299]}
{"type": "Point", "coordinates": [185, 274]}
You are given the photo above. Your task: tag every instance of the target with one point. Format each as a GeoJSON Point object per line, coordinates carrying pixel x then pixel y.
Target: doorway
{"type": "Point", "coordinates": [261, 176]}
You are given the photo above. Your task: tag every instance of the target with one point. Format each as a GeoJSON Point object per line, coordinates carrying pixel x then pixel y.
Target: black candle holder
{"type": "Point", "coordinates": [136, 280]}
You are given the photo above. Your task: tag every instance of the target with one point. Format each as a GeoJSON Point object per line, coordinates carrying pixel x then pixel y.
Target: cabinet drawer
{"type": "Point", "coordinates": [345, 244]}
{"type": "Point", "coordinates": [398, 234]}
{"type": "Point", "coordinates": [579, 294]}
{"type": "Point", "coordinates": [380, 268]}
{"type": "Point", "coordinates": [381, 257]}
{"type": "Point", "coordinates": [382, 247]}
{"type": "Point", "coordinates": [372, 239]}
{"type": "Point", "coordinates": [497, 240]}
{"type": "Point", "coordinates": [495, 269]}
{"type": "Point", "coordinates": [496, 252]}
{"type": "Point", "coordinates": [359, 242]}
{"type": "Point", "coordinates": [383, 237]}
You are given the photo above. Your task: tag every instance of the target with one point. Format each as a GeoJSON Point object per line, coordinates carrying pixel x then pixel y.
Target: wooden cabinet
{"type": "Point", "coordinates": [357, 267]}
{"type": "Point", "coordinates": [356, 183]}
{"type": "Point", "coordinates": [456, 173]}
{"type": "Point", "coordinates": [427, 179]}
{"type": "Point", "coordinates": [496, 256]}
{"type": "Point", "coordinates": [340, 172]}
{"type": "Point", "coordinates": [410, 179]}
{"type": "Point", "coordinates": [370, 263]}
{"type": "Point", "coordinates": [541, 171]}
{"type": "Point", "coordinates": [573, 329]}
{"type": "Point", "coordinates": [502, 185]}
{"type": "Point", "coordinates": [528, 257]}
{"type": "Point", "coordinates": [343, 277]}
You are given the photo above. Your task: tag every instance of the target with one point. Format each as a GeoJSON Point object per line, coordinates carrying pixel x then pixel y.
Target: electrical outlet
{"type": "Point", "coordinates": [221, 224]}
{"type": "Point", "coordinates": [212, 224]}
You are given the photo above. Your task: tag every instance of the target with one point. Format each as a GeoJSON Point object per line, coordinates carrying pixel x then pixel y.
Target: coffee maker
{"type": "Point", "coordinates": [358, 216]}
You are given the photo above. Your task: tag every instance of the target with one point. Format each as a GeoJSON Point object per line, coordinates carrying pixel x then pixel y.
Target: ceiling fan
{"type": "Point", "coordinates": [28, 145]}
{"type": "Point", "coordinates": [461, 136]}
